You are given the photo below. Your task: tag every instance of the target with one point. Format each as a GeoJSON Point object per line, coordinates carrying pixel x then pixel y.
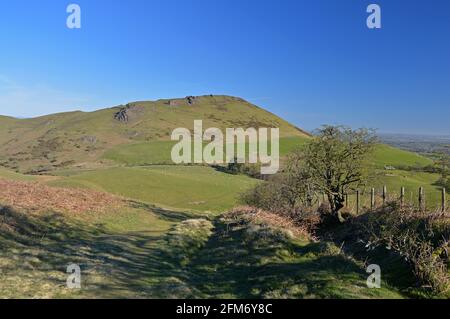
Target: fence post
{"type": "Point", "coordinates": [444, 201]}
{"type": "Point", "coordinates": [402, 197]}
{"type": "Point", "coordinates": [357, 202]}
{"type": "Point", "coordinates": [421, 199]}
{"type": "Point", "coordinates": [384, 194]}
{"type": "Point", "coordinates": [372, 199]}
{"type": "Point", "coordinates": [346, 200]}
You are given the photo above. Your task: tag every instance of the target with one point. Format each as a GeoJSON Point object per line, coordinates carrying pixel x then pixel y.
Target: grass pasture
{"type": "Point", "coordinates": [159, 152]}
{"type": "Point", "coordinates": [386, 155]}
{"type": "Point", "coordinates": [198, 188]}
{"type": "Point", "coordinates": [7, 174]}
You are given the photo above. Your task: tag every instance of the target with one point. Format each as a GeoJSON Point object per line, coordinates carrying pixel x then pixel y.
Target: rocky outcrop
{"type": "Point", "coordinates": [122, 115]}
{"type": "Point", "coordinates": [88, 139]}
{"type": "Point", "coordinates": [128, 113]}
{"type": "Point", "coordinates": [191, 99]}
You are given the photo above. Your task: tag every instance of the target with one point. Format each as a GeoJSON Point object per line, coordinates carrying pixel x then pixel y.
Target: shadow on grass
{"type": "Point", "coordinates": [113, 265]}
{"type": "Point", "coordinates": [395, 270]}
{"type": "Point", "coordinates": [165, 214]}
{"type": "Point", "coordinates": [229, 263]}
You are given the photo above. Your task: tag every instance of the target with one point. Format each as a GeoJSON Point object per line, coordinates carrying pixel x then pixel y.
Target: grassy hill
{"type": "Point", "coordinates": [81, 139]}
{"type": "Point", "coordinates": [170, 238]}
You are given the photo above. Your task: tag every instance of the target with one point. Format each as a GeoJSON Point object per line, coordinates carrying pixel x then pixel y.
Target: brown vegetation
{"type": "Point", "coordinates": [39, 197]}
{"type": "Point", "coordinates": [262, 217]}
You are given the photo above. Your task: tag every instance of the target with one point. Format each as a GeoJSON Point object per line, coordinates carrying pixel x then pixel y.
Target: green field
{"type": "Point", "coordinates": [159, 152]}
{"type": "Point", "coordinates": [7, 174]}
{"type": "Point", "coordinates": [389, 156]}
{"type": "Point", "coordinates": [183, 187]}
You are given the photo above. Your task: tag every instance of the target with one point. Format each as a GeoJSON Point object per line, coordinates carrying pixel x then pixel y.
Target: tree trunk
{"type": "Point", "coordinates": [336, 204]}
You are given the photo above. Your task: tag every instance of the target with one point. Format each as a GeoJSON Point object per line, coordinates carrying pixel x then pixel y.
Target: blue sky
{"type": "Point", "coordinates": [311, 62]}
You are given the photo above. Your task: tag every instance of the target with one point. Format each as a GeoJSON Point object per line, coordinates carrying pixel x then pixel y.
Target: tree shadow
{"type": "Point", "coordinates": [113, 265]}
{"type": "Point", "coordinates": [142, 265]}
{"type": "Point", "coordinates": [165, 214]}
{"type": "Point", "coordinates": [231, 266]}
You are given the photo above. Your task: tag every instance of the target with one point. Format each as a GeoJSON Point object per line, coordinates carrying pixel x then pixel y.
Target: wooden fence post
{"type": "Point", "coordinates": [372, 199]}
{"type": "Point", "coordinates": [444, 201]}
{"type": "Point", "coordinates": [384, 194]}
{"type": "Point", "coordinates": [421, 200]}
{"type": "Point", "coordinates": [357, 202]}
{"type": "Point", "coordinates": [402, 197]}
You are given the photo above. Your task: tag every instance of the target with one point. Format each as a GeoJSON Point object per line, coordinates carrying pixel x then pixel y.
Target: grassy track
{"type": "Point", "coordinates": [153, 253]}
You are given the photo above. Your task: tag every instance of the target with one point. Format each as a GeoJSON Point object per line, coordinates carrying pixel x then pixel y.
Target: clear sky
{"type": "Point", "coordinates": [311, 62]}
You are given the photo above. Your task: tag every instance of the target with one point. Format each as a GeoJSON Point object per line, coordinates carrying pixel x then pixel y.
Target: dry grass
{"type": "Point", "coordinates": [259, 216]}
{"type": "Point", "coordinates": [34, 196]}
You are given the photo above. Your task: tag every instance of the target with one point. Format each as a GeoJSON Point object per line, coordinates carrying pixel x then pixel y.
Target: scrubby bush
{"type": "Point", "coordinates": [422, 239]}
{"type": "Point", "coordinates": [444, 182]}
{"type": "Point", "coordinates": [266, 226]}
{"type": "Point", "coordinates": [235, 168]}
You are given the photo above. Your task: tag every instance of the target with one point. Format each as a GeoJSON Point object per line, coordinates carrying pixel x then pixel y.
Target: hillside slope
{"type": "Point", "coordinates": [81, 138]}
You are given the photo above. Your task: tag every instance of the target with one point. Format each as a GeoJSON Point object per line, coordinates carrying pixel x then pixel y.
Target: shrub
{"type": "Point", "coordinates": [421, 238]}
{"type": "Point", "coordinates": [267, 225]}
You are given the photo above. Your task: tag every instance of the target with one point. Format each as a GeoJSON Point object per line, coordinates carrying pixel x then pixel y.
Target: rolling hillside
{"type": "Point", "coordinates": [81, 139]}
{"type": "Point", "coordinates": [89, 150]}
{"type": "Point", "coordinates": [102, 194]}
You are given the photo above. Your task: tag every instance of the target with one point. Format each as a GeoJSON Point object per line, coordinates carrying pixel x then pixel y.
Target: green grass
{"type": "Point", "coordinates": [412, 181]}
{"type": "Point", "coordinates": [242, 260]}
{"type": "Point", "coordinates": [396, 179]}
{"type": "Point", "coordinates": [184, 187]}
{"type": "Point", "coordinates": [153, 253]}
{"type": "Point", "coordinates": [111, 250]}
{"type": "Point", "coordinates": [159, 152]}
{"type": "Point", "coordinates": [7, 174]}
{"type": "Point", "coordinates": [389, 156]}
